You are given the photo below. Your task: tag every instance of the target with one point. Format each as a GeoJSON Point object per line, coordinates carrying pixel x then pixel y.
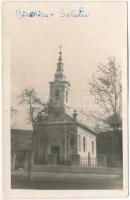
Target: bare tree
{"type": "Point", "coordinates": [106, 87]}
{"type": "Point", "coordinates": [13, 110]}
{"type": "Point", "coordinates": [13, 113]}
{"type": "Point", "coordinates": [30, 98]}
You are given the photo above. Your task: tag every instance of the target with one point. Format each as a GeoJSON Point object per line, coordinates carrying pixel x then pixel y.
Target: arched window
{"type": "Point", "coordinates": [71, 140]}
{"type": "Point", "coordinates": [84, 144]}
{"type": "Point", "coordinates": [92, 147]}
{"type": "Point", "coordinates": [66, 96]}
{"type": "Point", "coordinates": [79, 143]}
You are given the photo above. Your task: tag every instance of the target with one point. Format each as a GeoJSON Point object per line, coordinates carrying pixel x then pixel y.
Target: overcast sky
{"type": "Point", "coordinates": [86, 41]}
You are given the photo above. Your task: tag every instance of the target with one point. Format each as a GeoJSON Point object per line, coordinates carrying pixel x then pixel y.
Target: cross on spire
{"type": "Point", "coordinates": [60, 47]}
{"type": "Point", "coordinates": [60, 52]}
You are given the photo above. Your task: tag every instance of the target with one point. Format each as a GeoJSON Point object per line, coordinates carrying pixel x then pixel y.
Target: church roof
{"type": "Point", "coordinates": [86, 128]}
{"type": "Point", "coordinates": [68, 119]}
{"type": "Point", "coordinates": [80, 124]}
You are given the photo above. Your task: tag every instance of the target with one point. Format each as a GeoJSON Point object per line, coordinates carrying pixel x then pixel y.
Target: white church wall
{"type": "Point", "coordinates": [86, 151]}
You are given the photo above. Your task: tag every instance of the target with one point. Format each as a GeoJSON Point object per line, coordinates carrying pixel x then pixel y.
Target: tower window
{"type": "Point", "coordinates": [57, 94]}
{"type": "Point", "coordinates": [67, 96]}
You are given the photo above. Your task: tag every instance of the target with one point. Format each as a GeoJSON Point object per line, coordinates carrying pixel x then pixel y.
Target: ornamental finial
{"type": "Point", "coordinates": [60, 48]}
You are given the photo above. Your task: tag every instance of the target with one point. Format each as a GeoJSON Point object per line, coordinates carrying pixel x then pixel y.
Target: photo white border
{"type": "Point", "coordinates": [21, 193]}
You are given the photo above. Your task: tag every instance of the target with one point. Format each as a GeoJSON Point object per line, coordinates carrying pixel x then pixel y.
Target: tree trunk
{"type": "Point", "coordinates": [30, 164]}
{"type": "Point", "coordinates": [14, 161]}
{"type": "Point", "coordinates": [120, 149]}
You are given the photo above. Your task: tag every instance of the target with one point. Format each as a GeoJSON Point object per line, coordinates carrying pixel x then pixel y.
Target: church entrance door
{"type": "Point", "coordinates": [56, 150]}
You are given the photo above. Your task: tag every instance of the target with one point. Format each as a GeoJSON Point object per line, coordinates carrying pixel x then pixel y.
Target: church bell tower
{"type": "Point", "coordinates": [59, 88]}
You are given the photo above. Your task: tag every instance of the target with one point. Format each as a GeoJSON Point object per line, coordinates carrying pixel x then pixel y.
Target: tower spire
{"type": "Point", "coordinates": [59, 75]}
{"type": "Point", "coordinates": [60, 64]}
{"type": "Point", "coordinates": [59, 88]}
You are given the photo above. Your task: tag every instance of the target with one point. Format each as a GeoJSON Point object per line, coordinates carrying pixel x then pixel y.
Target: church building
{"type": "Point", "coordinates": [61, 138]}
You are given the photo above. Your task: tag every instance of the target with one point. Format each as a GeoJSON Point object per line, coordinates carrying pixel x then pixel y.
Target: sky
{"type": "Point", "coordinates": [87, 41]}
